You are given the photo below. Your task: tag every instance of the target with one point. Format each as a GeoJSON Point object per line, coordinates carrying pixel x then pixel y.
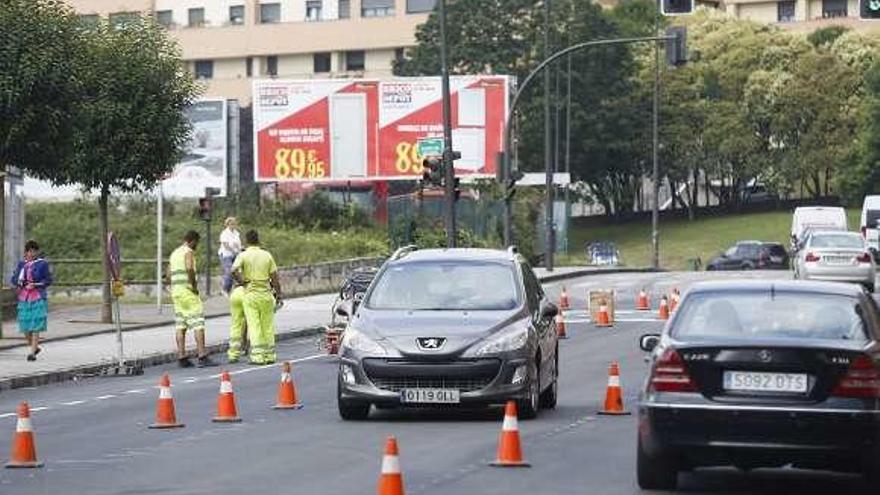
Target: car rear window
{"type": "Point", "coordinates": [770, 315]}
{"type": "Point", "coordinates": [847, 241]}
{"type": "Point", "coordinates": [775, 249]}
{"type": "Point", "coordinates": [446, 286]}
{"type": "Point", "coordinates": [871, 218]}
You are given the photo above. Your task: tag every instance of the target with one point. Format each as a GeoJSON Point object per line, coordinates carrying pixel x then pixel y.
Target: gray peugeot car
{"type": "Point", "coordinates": [441, 327]}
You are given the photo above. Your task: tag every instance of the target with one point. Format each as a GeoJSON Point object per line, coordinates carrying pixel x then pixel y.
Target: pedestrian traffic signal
{"type": "Point", "coordinates": [869, 9]}
{"type": "Point", "coordinates": [205, 209]}
{"type": "Point", "coordinates": [677, 7]}
{"type": "Point", "coordinates": [433, 170]}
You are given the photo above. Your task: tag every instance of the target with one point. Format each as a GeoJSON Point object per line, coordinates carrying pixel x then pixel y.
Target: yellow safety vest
{"type": "Point", "coordinates": [177, 267]}
{"type": "Point", "coordinates": [256, 264]}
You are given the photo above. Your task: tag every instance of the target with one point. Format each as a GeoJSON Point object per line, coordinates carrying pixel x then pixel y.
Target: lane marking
{"type": "Point", "coordinates": [38, 409]}
{"type": "Point", "coordinates": [135, 391]}
{"type": "Point", "coordinates": [105, 397]}
{"type": "Point", "coordinates": [6, 415]}
{"type": "Point", "coordinates": [73, 403]}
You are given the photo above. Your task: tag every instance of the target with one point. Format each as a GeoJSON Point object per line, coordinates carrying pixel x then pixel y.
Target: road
{"type": "Point", "coordinates": [93, 434]}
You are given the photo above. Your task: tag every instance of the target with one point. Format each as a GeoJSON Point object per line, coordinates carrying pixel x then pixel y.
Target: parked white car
{"type": "Point", "coordinates": [837, 257]}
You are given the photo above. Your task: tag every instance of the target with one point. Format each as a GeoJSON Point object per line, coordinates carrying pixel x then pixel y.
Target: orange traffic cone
{"type": "Point", "coordinates": [674, 299]}
{"type": "Point", "coordinates": [287, 391]}
{"type": "Point", "coordinates": [226, 412]}
{"type": "Point", "coordinates": [391, 479]}
{"type": "Point", "coordinates": [664, 309]}
{"type": "Point", "coordinates": [603, 319]}
{"type": "Point", "coordinates": [165, 416]}
{"type": "Point", "coordinates": [613, 395]}
{"type": "Point", "coordinates": [560, 326]}
{"type": "Point", "coordinates": [642, 303]}
{"type": "Point", "coordinates": [564, 304]}
{"type": "Point", "coordinates": [24, 451]}
{"type": "Point", "coordinates": [509, 449]}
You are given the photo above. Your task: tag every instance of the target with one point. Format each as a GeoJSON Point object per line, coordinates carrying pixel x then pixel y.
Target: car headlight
{"type": "Point", "coordinates": [357, 341]}
{"type": "Point", "coordinates": [507, 341]}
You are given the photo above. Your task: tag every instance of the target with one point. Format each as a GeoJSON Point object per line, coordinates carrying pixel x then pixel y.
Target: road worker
{"type": "Point", "coordinates": [189, 314]}
{"type": "Point", "coordinates": [238, 340]}
{"type": "Point", "coordinates": [256, 270]}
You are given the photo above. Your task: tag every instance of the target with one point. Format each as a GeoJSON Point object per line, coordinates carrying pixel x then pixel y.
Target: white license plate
{"type": "Point", "coordinates": [753, 381]}
{"type": "Point", "coordinates": [430, 396]}
{"type": "Point", "coordinates": [838, 260]}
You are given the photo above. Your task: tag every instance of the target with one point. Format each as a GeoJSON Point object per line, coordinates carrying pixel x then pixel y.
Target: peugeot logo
{"type": "Point", "coordinates": [765, 356]}
{"type": "Point", "coordinates": [430, 343]}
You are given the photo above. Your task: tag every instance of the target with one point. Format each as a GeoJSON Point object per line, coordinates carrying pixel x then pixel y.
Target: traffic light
{"type": "Point", "coordinates": [205, 209]}
{"type": "Point", "coordinates": [456, 188]}
{"type": "Point", "coordinates": [433, 171]}
{"type": "Point", "coordinates": [676, 48]}
{"type": "Point", "coordinates": [677, 7]}
{"type": "Point", "coordinates": [869, 10]}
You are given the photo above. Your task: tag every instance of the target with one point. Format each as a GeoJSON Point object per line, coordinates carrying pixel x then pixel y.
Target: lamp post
{"type": "Point", "coordinates": [548, 157]}
{"type": "Point", "coordinates": [448, 159]}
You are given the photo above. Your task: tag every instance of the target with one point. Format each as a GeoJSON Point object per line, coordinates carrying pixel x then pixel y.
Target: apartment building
{"type": "Point", "coordinates": [227, 43]}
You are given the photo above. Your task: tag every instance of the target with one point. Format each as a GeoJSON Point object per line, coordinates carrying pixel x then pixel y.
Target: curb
{"type": "Point", "coordinates": [155, 359]}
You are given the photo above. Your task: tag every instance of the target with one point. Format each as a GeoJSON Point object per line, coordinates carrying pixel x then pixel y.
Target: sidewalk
{"type": "Point", "coordinates": [77, 344]}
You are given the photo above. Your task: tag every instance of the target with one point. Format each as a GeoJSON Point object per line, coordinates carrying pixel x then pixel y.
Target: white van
{"type": "Point", "coordinates": [808, 218]}
{"type": "Point", "coordinates": [870, 221]}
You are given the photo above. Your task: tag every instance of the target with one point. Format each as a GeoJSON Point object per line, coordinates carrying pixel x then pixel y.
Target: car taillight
{"type": "Point", "coordinates": [862, 380]}
{"type": "Point", "coordinates": [864, 258]}
{"type": "Point", "coordinates": [811, 258]}
{"type": "Point", "coordinates": [670, 375]}
{"type": "Point", "coordinates": [865, 232]}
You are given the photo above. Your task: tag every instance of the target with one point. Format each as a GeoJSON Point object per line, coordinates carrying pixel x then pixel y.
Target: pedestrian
{"type": "Point", "coordinates": [255, 268]}
{"type": "Point", "coordinates": [230, 246]}
{"type": "Point", "coordinates": [189, 313]}
{"type": "Point", "coordinates": [31, 278]}
{"type": "Point", "coordinates": [238, 339]}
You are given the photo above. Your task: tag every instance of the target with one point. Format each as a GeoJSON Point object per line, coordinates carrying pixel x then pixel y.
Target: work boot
{"type": "Point", "coordinates": [184, 362]}
{"type": "Point", "coordinates": [206, 362]}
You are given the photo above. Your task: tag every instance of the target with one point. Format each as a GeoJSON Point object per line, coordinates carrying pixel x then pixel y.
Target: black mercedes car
{"type": "Point", "coordinates": [763, 374]}
{"type": "Point", "coordinates": [450, 327]}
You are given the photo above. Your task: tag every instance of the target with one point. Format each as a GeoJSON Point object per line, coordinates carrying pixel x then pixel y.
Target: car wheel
{"type": "Point", "coordinates": [870, 288]}
{"type": "Point", "coordinates": [655, 472]}
{"type": "Point", "coordinates": [746, 266]}
{"type": "Point", "coordinates": [548, 397]}
{"type": "Point", "coordinates": [528, 407]}
{"type": "Point", "coordinates": [351, 410]}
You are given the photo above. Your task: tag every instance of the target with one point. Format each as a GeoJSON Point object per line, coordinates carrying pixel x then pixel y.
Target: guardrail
{"type": "Point", "coordinates": [59, 264]}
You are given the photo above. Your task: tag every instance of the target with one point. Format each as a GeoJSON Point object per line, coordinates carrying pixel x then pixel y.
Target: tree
{"type": "Point", "coordinates": [131, 126]}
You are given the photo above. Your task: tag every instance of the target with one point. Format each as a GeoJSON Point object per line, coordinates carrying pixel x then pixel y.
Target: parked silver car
{"type": "Point", "coordinates": [835, 256]}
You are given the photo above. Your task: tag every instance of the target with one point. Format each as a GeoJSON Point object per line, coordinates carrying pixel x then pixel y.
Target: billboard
{"type": "Point", "coordinates": [204, 161]}
{"type": "Point", "coordinates": [341, 129]}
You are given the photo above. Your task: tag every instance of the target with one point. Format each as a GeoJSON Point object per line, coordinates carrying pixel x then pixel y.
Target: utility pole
{"type": "Point", "coordinates": [548, 156]}
{"type": "Point", "coordinates": [448, 159]}
{"type": "Point", "coordinates": [655, 172]}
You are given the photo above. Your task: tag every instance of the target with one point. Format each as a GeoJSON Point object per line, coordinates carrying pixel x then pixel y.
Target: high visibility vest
{"type": "Point", "coordinates": [177, 267]}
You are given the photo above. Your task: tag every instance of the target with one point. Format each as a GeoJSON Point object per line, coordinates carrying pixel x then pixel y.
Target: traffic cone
{"type": "Point", "coordinates": [560, 326]}
{"type": "Point", "coordinates": [613, 394]}
{"type": "Point", "coordinates": [165, 417]}
{"type": "Point", "coordinates": [642, 303]}
{"type": "Point", "coordinates": [287, 391]}
{"type": "Point", "coordinates": [509, 449]}
{"type": "Point", "coordinates": [674, 299]}
{"type": "Point", "coordinates": [563, 300]}
{"type": "Point", "coordinates": [226, 412]}
{"type": "Point", "coordinates": [391, 479]}
{"type": "Point", "coordinates": [603, 319]}
{"type": "Point", "coordinates": [664, 309]}
{"type": "Point", "coordinates": [24, 451]}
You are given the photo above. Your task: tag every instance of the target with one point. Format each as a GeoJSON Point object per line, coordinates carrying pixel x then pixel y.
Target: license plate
{"type": "Point", "coordinates": [838, 260]}
{"type": "Point", "coordinates": [752, 381]}
{"type": "Point", "coordinates": [430, 396]}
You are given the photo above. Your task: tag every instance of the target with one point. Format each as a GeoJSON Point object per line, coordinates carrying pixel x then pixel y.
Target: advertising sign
{"type": "Point", "coordinates": [204, 162]}
{"type": "Point", "coordinates": [339, 129]}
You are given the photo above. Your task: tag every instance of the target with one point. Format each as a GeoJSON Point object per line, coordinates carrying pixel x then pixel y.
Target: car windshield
{"type": "Point", "coordinates": [446, 286]}
{"type": "Point", "coordinates": [766, 315]}
{"type": "Point", "coordinates": [846, 241]}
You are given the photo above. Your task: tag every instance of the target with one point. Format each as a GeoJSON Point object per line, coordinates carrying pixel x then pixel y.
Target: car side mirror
{"type": "Point", "coordinates": [344, 310]}
{"type": "Point", "coordinates": [548, 309]}
{"type": "Point", "coordinates": [649, 341]}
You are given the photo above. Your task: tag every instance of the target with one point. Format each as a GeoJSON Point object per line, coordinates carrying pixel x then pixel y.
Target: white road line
{"type": "Point", "coordinates": [6, 415]}
{"type": "Point", "coordinates": [135, 391]}
{"type": "Point", "coordinates": [73, 403]}
{"type": "Point", "coordinates": [38, 409]}
{"type": "Point", "coordinates": [638, 320]}
{"type": "Point", "coordinates": [105, 397]}
{"type": "Point", "coordinates": [191, 380]}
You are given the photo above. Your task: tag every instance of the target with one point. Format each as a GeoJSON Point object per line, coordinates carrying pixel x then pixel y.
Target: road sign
{"type": "Point", "coordinates": [869, 10]}
{"type": "Point", "coordinates": [430, 146]}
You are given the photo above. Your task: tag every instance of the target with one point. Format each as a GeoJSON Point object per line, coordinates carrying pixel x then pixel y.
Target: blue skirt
{"type": "Point", "coordinates": [32, 316]}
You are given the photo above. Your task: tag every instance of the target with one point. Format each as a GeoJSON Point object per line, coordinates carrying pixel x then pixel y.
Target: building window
{"type": "Point", "coordinates": [344, 9]}
{"type": "Point", "coordinates": [89, 19]}
{"type": "Point", "coordinates": [164, 18]}
{"type": "Point", "coordinates": [272, 65]}
{"type": "Point", "coordinates": [833, 8]}
{"type": "Point", "coordinates": [236, 15]}
{"type": "Point", "coordinates": [270, 13]}
{"type": "Point", "coordinates": [377, 8]}
{"type": "Point", "coordinates": [354, 60]}
{"type": "Point", "coordinates": [313, 10]}
{"type": "Point", "coordinates": [322, 62]}
{"type": "Point", "coordinates": [204, 69]}
{"type": "Point", "coordinates": [420, 6]}
{"type": "Point", "coordinates": [249, 66]}
{"type": "Point", "coordinates": [196, 17]}
{"type": "Point", "coordinates": [119, 18]}
{"type": "Point", "coordinates": [785, 11]}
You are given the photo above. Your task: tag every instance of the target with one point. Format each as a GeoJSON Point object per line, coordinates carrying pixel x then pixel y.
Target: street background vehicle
{"type": "Point", "coordinates": [751, 255]}
{"type": "Point", "coordinates": [869, 223]}
{"type": "Point", "coordinates": [808, 218]}
{"type": "Point", "coordinates": [836, 256]}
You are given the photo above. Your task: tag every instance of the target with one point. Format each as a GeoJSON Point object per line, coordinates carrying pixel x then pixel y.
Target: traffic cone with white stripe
{"type": "Point", "coordinates": [391, 479]}
{"type": "Point", "coordinates": [24, 451]}
{"type": "Point", "coordinates": [663, 311]}
{"type": "Point", "coordinates": [603, 319]}
{"type": "Point", "coordinates": [509, 448]}
{"type": "Point", "coordinates": [642, 303]}
{"type": "Point", "coordinates": [226, 411]}
{"type": "Point", "coordinates": [613, 394]}
{"type": "Point", "coordinates": [287, 391]}
{"type": "Point", "coordinates": [564, 304]}
{"type": "Point", "coordinates": [674, 299]}
{"type": "Point", "coordinates": [560, 326]}
{"type": "Point", "coordinates": [165, 416]}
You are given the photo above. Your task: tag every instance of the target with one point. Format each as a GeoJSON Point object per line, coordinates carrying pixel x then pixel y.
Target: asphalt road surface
{"type": "Point", "coordinates": [93, 436]}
